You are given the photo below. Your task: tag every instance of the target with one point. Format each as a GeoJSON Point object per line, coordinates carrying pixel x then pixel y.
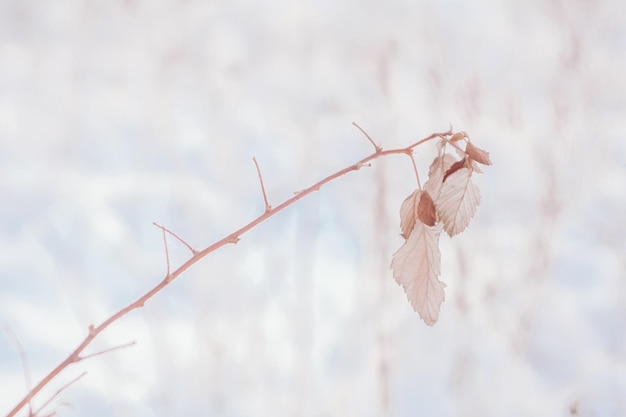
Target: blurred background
{"type": "Point", "coordinates": [115, 114]}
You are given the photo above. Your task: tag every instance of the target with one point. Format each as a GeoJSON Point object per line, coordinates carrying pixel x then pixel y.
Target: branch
{"type": "Point", "coordinates": [180, 239]}
{"type": "Point", "coordinates": [60, 390]}
{"type": "Point", "coordinates": [378, 148]}
{"type": "Point", "coordinates": [197, 255]}
{"type": "Point", "coordinates": [102, 352]}
{"type": "Point", "coordinates": [258, 171]}
{"type": "Point", "coordinates": [167, 252]}
{"type": "Point", "coordinates": [24, 361]}
{"type": "Point", "coordinates": [417, 175]}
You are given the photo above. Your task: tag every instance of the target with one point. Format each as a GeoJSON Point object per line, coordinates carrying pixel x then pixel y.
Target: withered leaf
{"type": "Point", "coordinates": [408, 213]}
{"type": "Point", "coordinates": [458, 200]}
{"type": "Point", "coordinates": [475, 153]}
{"type": "Point", "coordinates": [454, 168]}
{"type": "Point", "coordinates": [426, 212]}
{"type": "Point", "coordinates": [416, 266]}
{"type": "Point", "coordinates": [457, 136]}
{"type": "Point", "coordinates": [437, 169]}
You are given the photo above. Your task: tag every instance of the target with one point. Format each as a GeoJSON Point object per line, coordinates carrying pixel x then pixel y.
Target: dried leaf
{"type": "Point", "coordinates": [454, 168]}
{"type": "Point", "coordinates": [416, 266]}
{"type": "Point", "coordinates": [477, 154]}
{"type": "Point", "coordinates": [436, 172]}
{"type": "Point", "coordinates": [457, 201]}
{"type": "Point", "coordinates": [458, 136]}
{"type": "Point", "coordinates": [408, 213]}
{"type": "Point", "coordinates": [426, 212]}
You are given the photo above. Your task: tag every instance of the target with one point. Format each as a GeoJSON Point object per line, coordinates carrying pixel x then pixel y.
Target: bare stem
{"type": "Point", "coordinates": [258, 171]}
{"type": "Point", "coordinates": [167, 252]}
{"type": "Point", "coordinates": [443, 135]}
{"type": "Point", "coordinates": [102, 352]}
{"type": "Point", "coordinates": [454, 145]}
{"type": "Point", "coordinates": [181, 240]}
{"type": "Point", "coordinates": [378, 148]}
{"type": "Point", "coordinates": [417, 175]}
{"type": "Point", "coordinates": [24, 361]}
{"type": "Point", "coordinates": [60, 390]}
{"type": "Point", "coordinates": [94, 331]}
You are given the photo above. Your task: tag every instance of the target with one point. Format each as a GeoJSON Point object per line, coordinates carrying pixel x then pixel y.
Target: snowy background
{"type": "Point", "coordinates": [115, 114]}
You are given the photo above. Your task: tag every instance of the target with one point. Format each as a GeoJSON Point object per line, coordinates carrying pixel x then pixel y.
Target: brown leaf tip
{"type": "Point", "coordinates": [475, 153]}
{"type": "Point", "coordinates": [454, 168]}
{"type": "Point", "coordinates": [426, 212]}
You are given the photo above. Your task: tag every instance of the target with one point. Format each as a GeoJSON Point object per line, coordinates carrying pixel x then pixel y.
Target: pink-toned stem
{"type": "Point", "coordinates": [258, 171]}
{"type": "Point", "coordinates": [102, 352]}
{"type": "Point", "coordinates": [417, 175]}
{"type": "Point", "coordinates": [167, 251]}
{"type": "Point", "coordinates": [60, 390]}
{"type": "Point", "coordinates": [23, 360]}
{"type": "Point", "coordinates": [94, 331]}
{"type": "Point", "coordinates": [378, 148]}
{"type": "Point", "coordinates": [180, 239]}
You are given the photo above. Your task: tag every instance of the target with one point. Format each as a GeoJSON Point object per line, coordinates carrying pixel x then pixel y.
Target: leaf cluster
{"type": "Point", "coordinates": [447, 201]}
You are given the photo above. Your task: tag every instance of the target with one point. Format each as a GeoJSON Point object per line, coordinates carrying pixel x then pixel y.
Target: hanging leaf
{"type": "Point", "coordinates": [436, 172]}
{"type": "Point", "coordinates": [447, 202]}
{"type": "Point", "coordinates": [416, 267]}
{"type": "Point", "coordinates": [426, 210]}
{"type": "Point", "coordinates": [408, 213]}
{"type": "Point", "coordinates": [457, 201]}
{"type": "Point", "coordinates": [476, 154]}
{"type": "Point", "coordinates": [454, 168]}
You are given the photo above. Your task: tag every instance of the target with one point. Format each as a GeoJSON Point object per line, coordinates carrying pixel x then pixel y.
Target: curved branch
{"type": "Point", "coordinates": [94, 331]}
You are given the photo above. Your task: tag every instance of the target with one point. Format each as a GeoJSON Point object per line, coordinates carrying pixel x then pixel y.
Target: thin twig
{"type": "Point", "coordinates": [378, 148]}
{"type": "Point", "coordinates": [56, 394]}
{"type": "Point", "coordinates": [181, 240]}
{"type": "Point", "coordinates": [258, 171]}
{"type": "Point", "coordinates": [24, 362]}
{"type": "Point", "coordinates": [417, 175]}
{"type": "Point", "coordinates": [94, 331]}
{"type": "Point", "coordinates": [454, 145]}
{"type": "Point", "coordinates": [167, 252]}
{"type": "Point", "coordinates": [442, 135]}
{"type": "Point", "coordinates": [102, 352]}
